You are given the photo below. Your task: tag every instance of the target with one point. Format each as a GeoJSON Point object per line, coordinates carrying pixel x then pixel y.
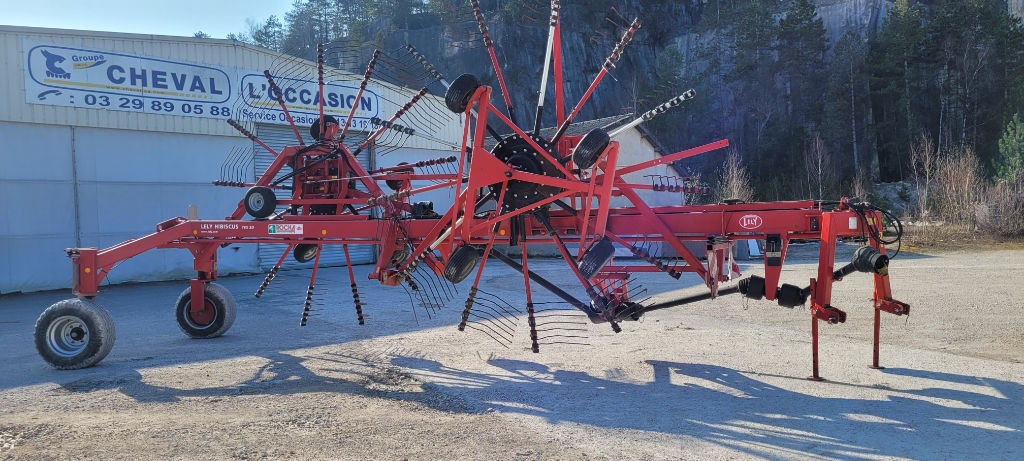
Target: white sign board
{"type": "Point", "coordinates": [303, 101]}
{"type": "Point", "coordinates": [60, 75]}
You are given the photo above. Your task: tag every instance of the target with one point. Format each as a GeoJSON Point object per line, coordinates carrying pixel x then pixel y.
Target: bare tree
{"type": "Point", "coordinates": [924, 163]}
{"type": "Point", "coordinates": [734, 180]}
{"type": "Point", "coordinates": [958, 185]}
{"type": "Point", "coordinates": [818, 164]}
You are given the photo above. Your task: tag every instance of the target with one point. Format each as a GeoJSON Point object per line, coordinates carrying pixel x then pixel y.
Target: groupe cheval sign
{"type": "Point", "coordinates": [60, 75]}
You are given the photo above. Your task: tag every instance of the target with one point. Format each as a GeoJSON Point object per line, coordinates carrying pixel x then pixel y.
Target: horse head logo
{"type": "Point", "coordinates": [52, 70]}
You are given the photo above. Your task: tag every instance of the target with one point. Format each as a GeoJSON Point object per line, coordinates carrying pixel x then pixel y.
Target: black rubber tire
{"type": "Point", "coordinates": [215, 322]}
{"type": "Point", "coordinates": [74, 333]}
{"type": "Point", "coordinates": [629, 310]}
{"type": "Point", "coordinates": [260, 202]}
{"type": "Point", "coordinates": [459, 92]}
{"type": "Point", "coordinates": [596, 257]}
{"type": "Point", "coordinates": [395, 184]}
{"type": "Point", "coordinates": [399, 256]}
{"type": "Point", "coordinates": [461, 264]}
{"type": "Point", "coordinates": [305, 252]}
{"type": "Point", "coordinates": [314, 129]}
{"type": "Point", "coordinates": [590, 148]}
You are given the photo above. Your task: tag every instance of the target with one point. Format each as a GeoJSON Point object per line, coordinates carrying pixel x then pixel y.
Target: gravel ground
{"type": "Point", "coordinates": [718, 379]}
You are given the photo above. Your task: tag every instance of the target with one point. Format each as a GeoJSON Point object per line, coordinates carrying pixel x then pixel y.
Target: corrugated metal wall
{"type": "Point", "coordinates": [65, 187]}
{"type": "Point", "coordinates": [37, 213]}
{"type": "Point", "coordinates": [130, 180]}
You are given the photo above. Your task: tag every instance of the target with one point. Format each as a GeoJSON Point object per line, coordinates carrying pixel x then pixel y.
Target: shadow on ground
{"type": "Point", "coordinates": [940, 416]}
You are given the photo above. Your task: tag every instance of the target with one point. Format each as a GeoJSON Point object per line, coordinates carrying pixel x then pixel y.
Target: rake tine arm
{"type": "Point", "coordinates": [531, 320]}
{"type": "Point", "coordinates": [609, 64]}
{"type": "Point", "coordinates": [355, 288]}
{"type": "Point", "coordinates": [720, 144]}
{"type": "Point", "coordinates": [274, 270]}
{"type": "Point", "coordinates": [479, 274]}
{"type": "Point", "coordinates": [320, 84]}
{"type": "Point", "coordinates": [306, 307]}
{"type": "Point", "coordinates": [284, 107]}
{"type": "Point", "coordinates": [489, 44]}
{"type": "Point", "coordinates": [252, 137]}
{"type": "Point", "coordinates": [661, 109]}
{"type": "Point", "coordinates": [384, 127]}
{"type": "Point", "coordinates": [440, 78]}
{"type": "Point", "coordinates": [359, 94]}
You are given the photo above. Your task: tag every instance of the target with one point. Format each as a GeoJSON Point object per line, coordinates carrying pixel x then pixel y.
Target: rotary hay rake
{"type": "Point", "coordinates": [532, 187]}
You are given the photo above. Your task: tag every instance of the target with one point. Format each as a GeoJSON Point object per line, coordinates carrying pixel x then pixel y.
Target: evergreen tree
{"type": "Point", "coordinates": [1010, 163]}
{"type": "Point", "coordinates": [753, 75]}
{"type": "Point", "coordinates": [270, 34]}
{"type": "Point", "coordinates": [313, 22]}
{"type": "Point", "coordinates": [965, 43]}
{"type": "Point", "coordinates": [897, 80]}
{"type": "Point", "coordinates": [846, 118]}
{"type": "Point", "coordinates": [800, 48]}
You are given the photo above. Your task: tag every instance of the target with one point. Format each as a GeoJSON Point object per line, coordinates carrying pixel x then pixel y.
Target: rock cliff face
{"type": "Point", "coordinates": [861, 16]}
{"type": "Point", "coordinates": [1016, 7]}
{"type": "Point", "coordinates": [589, 32]}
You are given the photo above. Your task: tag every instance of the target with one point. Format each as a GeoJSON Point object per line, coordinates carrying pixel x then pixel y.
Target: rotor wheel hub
{"type": "Point", "coordinates": [518, 154]}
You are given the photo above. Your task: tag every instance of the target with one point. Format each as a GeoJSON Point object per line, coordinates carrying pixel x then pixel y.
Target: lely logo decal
{"type": "Point", "coordinates": [751, 221]}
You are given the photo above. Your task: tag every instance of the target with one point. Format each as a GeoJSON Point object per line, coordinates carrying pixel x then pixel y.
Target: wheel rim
{"type": "Point", "coordinates": [256, 201]}
{"type": "Point", "coordinates": [203, 318]}
{"type": "Point", "coordinates": [305, 252]}
{"type": "Point", "coordinates": [67, 336]}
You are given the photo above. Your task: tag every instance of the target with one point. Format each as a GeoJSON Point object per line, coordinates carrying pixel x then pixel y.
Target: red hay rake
{"type": "Point", "coordinates": [531, 188]}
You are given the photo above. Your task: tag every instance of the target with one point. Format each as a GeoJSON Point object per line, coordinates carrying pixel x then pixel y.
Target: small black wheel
{"type": "Point", "coordinates": [629, 310]}
{"type": "Point", "coordinates": [74, 333]}
{"type": "Point", "coordinates": [260, 202]}
{"type": "Point", "coordinates": [395, 184]}
{"type": "Point", "coordinates": [314, 129]}
{"type": "Point", "coordinates": [596, 257]}
{"type": "Point", "coordinates": [305, 252]}
{"type": "Point", "coordinates": [590, 148]}
{"type": "Point", "coordinates": [459, 92]}
{"type": "Point", "coordinates": [216, 317]}
{"type": "Point", "coordinates": [399, 256]}
{"type": "Point", "coordinates": [461, 264]}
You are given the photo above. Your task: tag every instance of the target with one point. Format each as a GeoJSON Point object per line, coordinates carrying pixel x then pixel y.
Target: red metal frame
{"type": "Point", "coordinates": [672, 225]}
{"type": "Point", "coordinates": [323, 208]}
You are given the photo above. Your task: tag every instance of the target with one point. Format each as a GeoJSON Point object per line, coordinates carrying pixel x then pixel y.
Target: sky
{"type": "Point", "coordinates": [217, 18]}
